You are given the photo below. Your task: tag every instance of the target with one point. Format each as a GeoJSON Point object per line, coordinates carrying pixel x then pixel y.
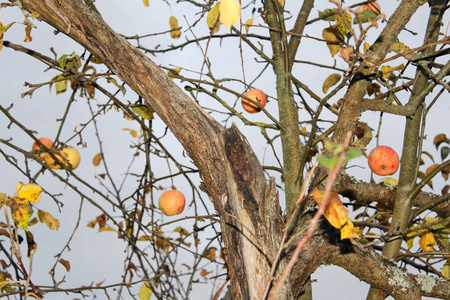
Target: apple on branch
{"type": "Point", "coordinates": [172, 202]}
{"type": "Point", "coordinates": [69, 156]}
{"type": "Point", "coordinates": [39, 150]}
{"type": "Point", "coordinates": [383, 160]}
{"type": "Point", "coordinates": [257, 96]}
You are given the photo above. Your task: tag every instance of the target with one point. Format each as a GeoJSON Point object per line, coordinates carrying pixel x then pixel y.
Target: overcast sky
{"type": "Point", "coordinates": [98, 256]}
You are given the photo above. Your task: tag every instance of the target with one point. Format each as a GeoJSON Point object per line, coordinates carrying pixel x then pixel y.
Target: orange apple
{"type": "Point", "coordinates": [69, 156]}
{"type": "Point", "coordinates": [257, 96]}
{"type": "Point", "coordinates": [40, 152]}
{"type": "Point", "coordinates": [172, 202]}
{"type": "Point", "coordinates": [372, 6]}
{"type": "Point", "coordinates": [383, 160]}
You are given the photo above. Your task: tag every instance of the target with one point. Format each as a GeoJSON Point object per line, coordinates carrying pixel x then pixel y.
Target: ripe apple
{"type": "Point", "coordinates": [383, 160]}
{"type": "Point", "coordinates": [372, 6]}
{"type": "Point", "coordinates": [257, 96]}
{"type": "Point", "coordinates": [40, 152]}
{"type": "Point", "coordinates": [172, 202]}
{"type": "Point", "coordinates": [69, 156]}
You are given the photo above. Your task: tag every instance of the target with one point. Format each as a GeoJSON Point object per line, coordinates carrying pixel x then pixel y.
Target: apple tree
{"type": "Point", "coordinates": [272, 192]}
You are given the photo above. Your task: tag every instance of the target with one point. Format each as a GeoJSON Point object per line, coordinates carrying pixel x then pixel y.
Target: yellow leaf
{"type": "Point", "coordinates": [333, 39]}
{"type": "Point", "coordinates": [334, 212]}
{"type": "Point", "coordinates": [132, 131]}
{"type": "Point", "coordinates": [398, 47]}
{"type": "Point", "coordinates": [145, 292]}
{"type": "Point", "coordinates": [175, 33]}
{"type": "Point", "coordinates": [410, 236]}
{"type": "Point", "coordinates": [330, 81]}
{"type": "Point", "coordinates": [343, 25]}
{"type": "Point", "coordinates": [97, 159]}
{"type": "Point", "coordinates": [348, 231]}
{"type": "Point", "coordinates": [366, 47]}
{"type": "Point", "coordinates": [281, 2]}
{"type": "Point", "coordinates": [247, 24]}
{"type": "Point", "coordinates": [48, 219]}
{"type": "Point", "coordinates": [30, 192]}
{"type": "Point", "coordinates": [21, 211]}
{"type": "Point", "coordinates": [212, 19]}
{"type": "Point", "coordinates": [229, 12]}
{"type": "Point", "coordinates": [146, 3]}
{"type": "Point", "coordinates": [388, 71]}
{"type": "Point", "coordinates": [106, 228]}
{"type": "Point", "coordinates": [65, 263]}
{"type": "Point", "coordinates": [446, 269]}
{"type": "Point", "coordinates": [60, 85]}
{"type": "Point", "coordinates": [427, 241]}
{"type": "Point", "coordinates": [390, 181]}
{"type": "Point", "coordinates": [174, 72]}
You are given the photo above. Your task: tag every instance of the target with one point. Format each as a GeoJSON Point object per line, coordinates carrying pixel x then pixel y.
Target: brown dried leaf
{"type": "Point", "coordinates": [65, 263]}
{"type": "Point", "coordinates": [97, 159]}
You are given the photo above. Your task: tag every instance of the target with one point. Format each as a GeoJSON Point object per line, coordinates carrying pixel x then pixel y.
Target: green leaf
{"type": "Point", "coordinates": [60, 85]}
{"type": "Point", "coordinates": [444, 152]}
{"type": "Point", "coordinates": [327, 160]}
{"type": "Point", "coordinates": [328, 14]}
{"type": "Point", "coordinates": [3, 29]}
{"type": "Point", "coordinates": [71, 61]}
{"type": "Point", "coordinates": [365, 16]}
{"type": "Point", "coordinates": [351, 153]}
{"type": "Point", "coordinates": [144, 111]}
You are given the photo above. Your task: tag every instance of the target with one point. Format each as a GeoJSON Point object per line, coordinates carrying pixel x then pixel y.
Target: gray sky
{"type": "Point", "coordinates": [98, 256]}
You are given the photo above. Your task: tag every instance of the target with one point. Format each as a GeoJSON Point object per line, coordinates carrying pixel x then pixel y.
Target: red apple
{"type": "Point", "coordinates": [383, 160]}
{"type": "Point", "coordinates": [40, 152]}
{"type": "Point", "coordinates": [172, 202]}
{"type": "Point", "coordinates": [257, 96]}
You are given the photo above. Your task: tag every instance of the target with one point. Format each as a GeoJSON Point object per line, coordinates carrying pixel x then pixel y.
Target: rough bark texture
{"type": "Point", "coordinates": [247, 204]}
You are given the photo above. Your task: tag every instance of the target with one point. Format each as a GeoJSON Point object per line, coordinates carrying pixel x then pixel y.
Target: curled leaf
{"type": "Point", "coordinates": [97, 159]}
{"type": "Point", "coordinates": [28, 37]}
{"type": "Point", "coordinates": [334, 212]}
{"type": "Point", "coordinates": [48, 219]}
{"type": "Point", "coordinates": [65, 263]}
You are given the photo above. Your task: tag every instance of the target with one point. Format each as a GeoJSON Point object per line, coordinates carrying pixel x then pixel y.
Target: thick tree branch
{"type": "Point", "coordinates": [352, 106]}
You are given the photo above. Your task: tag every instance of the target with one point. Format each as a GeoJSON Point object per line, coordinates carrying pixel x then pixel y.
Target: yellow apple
{"type": "Point", "coordinates": [68, 156]}
{"type": "Point", "coordinates": [172, 202]}
{"type": "Point", "coordinates": [257, 96]}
